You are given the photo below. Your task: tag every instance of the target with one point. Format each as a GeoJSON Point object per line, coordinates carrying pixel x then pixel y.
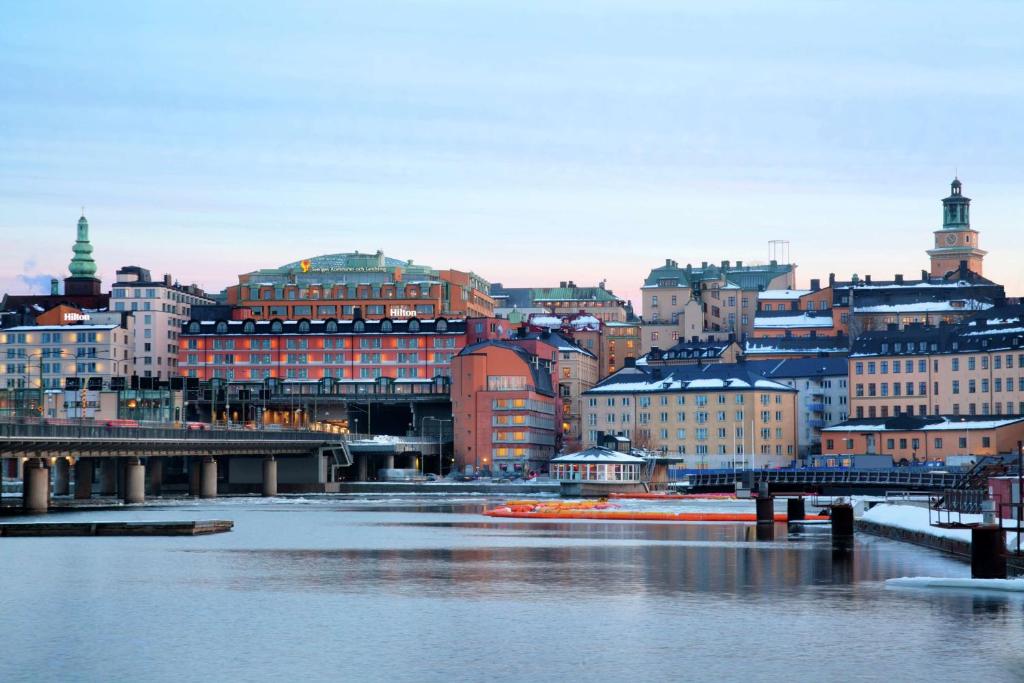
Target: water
{"type": "Point", "coordinates": [425, 589]}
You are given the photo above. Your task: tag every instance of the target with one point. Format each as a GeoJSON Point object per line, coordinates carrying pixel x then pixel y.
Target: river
{"type": "Point", "coordinates": [426, 589]}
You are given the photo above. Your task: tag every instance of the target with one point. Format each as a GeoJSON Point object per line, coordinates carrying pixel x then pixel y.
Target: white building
{"type": "Point", "coordinates": [45, 355]}
{"type": "Point", "coordinates": [161, 308]}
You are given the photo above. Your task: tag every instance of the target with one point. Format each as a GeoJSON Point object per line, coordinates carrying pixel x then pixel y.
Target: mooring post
{"type": "Point", "coordinates": [795, 511]}
{"type": "Point", "coordinates": [842, 521]}
{"type": "Point", "coordinates": [269, 476]}
{"type": "Point", "coordinates": [988, 552]}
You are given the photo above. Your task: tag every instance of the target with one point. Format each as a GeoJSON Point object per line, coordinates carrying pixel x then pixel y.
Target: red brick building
{"type": "Point", "coordinates": [504, 405]}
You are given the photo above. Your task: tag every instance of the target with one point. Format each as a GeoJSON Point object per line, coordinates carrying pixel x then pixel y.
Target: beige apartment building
{"type": "Point", "coordinates": [160, 307]}
{"type": "Point", "coordinates": [709, 416]}
{"type": "Point", "coordinates": [975, 368]}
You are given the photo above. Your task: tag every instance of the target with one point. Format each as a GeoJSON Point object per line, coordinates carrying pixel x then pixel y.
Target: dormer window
{"type": "Point", "coordinates": [222, 327]}
{"type": "Point", "coordinates": [303, 327]}
{"type": "Point", "coordinates": [249, 327]}
{"type": "Point", "coordinates": [276, 327]}
{"type": "Point", "coordinates": [359, 326]}
{"type": "Point", "coordinates": [414, 325]}
{"type": "Point", "coordinates": [441, 325]}
{"type": "Point", "coordinates": [386, 326]}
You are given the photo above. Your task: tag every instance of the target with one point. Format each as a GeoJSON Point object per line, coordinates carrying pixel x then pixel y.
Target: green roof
{"type": "Point", "coordinates": [571, 294]}
{"type": "Point", "coordinates": [745, 277]}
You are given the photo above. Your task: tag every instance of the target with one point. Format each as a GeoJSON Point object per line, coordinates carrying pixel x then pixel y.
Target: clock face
{"type": "Point", "coordinates": [950, 239]}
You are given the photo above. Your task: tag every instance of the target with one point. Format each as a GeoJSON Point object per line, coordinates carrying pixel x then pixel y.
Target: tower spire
{"type": "Point", "coordinates": [82, 263]}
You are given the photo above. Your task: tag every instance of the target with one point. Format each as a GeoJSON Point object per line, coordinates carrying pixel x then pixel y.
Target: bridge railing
{"type": "Point", "coordinates": [87, 430]}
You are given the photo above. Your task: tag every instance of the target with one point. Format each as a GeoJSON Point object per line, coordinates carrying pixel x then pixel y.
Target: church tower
{"type": "Point", "coordinates": [956, 242]}
{"type": "Point", "coordinates": [83, 280]}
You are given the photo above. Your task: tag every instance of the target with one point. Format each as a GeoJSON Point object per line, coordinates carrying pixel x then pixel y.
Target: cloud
{"type": "Point", "coordinates": [37, 284]}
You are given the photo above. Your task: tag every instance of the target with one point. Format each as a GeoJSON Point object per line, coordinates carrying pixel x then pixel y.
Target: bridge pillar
{"type": "Point", "coordinates": [19, 468]}
{"type": "Point", "coordinates": [83, 478]}
{"type": "Point", "coordinates": [134, 481]}
{"type": "Point", "coordinates": [108, 477]}
{"type": "Point", "coordinates": [208, 478]}
{"type": "Point", "coordinates": [795, 509]}
{"type": "Point", "coordinates": [36, 487]}
{"type": "Point", "coordinates": [389, 462]}
{"type": "Point", "coordinates": [155, 468]}
{"type": "Point", "coordinates": [61, 477]}
{"type": "Point", "coordinates": [765, 510]}
{"type": "Point", "coordinates": [361, 466]}
{"type": "Point", "coordinates": [193, 475]}
{"type": "Point", "coordinates": [269, 476]}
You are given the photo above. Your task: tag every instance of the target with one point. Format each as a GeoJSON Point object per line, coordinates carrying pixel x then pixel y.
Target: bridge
{"type": "Point", "coordinates": [822, 480]}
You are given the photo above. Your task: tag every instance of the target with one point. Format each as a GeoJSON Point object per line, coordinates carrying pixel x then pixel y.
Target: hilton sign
{"type": "Point", "coordinates": [401, 312]}
{"type": "Point", "coordinates": [76, 317]}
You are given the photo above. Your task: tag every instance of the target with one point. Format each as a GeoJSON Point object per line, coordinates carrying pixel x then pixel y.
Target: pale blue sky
{"type": "Point", "coordinates": [530, 142]}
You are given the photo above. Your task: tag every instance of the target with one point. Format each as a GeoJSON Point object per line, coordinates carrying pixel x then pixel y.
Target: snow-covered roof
{"type": "Point", "coordinates": [957, 305]}
{"type": "Point", "coordinates": [600, 455]}
{"type": "Point", "coordinates": [795, 320]}
{"type": "Point", "coordinates": [924, 424]}
{"type": "Point", "coordinates": [789, 294]}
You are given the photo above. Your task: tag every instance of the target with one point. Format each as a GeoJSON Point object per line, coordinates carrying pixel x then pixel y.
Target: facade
{"type": "Point", "coordinates": [353, 285]}
{"type": "Point", "coordinates": [355, 351]}
{"type": "Point", "coordinates": [956, 242]}
{"type": "Point", "coordinates": [576, 371]}
{"type": "Point", "coordinates": [910, 439]}
{"type": "Point", "coordinates": [619, 343]}
{"type": "Point", "coordinates": [726, 294]}
{"type": "Point", "coordinates": [721, 415]}
{"type": "Point", "coordinates": [610, 342]}
{"type": "Point", "coordinates": [160, 307]}
{"type": "Point", "coordinates": [504, 406]}
{"type": "Point", "coordinates": [47, 356]}
{"type": "Point", "coordinates": [822, 394]}
{"type": "Point", "coordinates": [972, 368]}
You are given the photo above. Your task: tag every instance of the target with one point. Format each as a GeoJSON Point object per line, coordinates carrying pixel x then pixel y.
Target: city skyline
{"type": "Point", "coordinates": [444, 134]}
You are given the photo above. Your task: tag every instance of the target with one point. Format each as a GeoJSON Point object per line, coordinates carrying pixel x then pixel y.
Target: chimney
{"type": "Point", "coordinates": [739, 264]}
{"type": "Point", "coordinates": [668, 263]}
{"type": "Point", "coordinates": [815, 284]}
{"type": "Point", "coordinates": [831, 279]}
{"type": "Point", "coordinates": [899, 278]}
{"type": "Point", "coordinates": [629, 362]}
{"type": "Point", "coordinates": [725, 264]}
{"type": "Point", "coordinates": [167, 279]}
{"type": "Point", "coordinates": [54, 286]}
{"type": "Point", "coordinates": [703, 264]}
{"type": "Point", "coordinates": [867, 279]}
{"type": "Point", "coordinates": [562, 284]}
{"type": "Point", "coordinates": [925, 275]}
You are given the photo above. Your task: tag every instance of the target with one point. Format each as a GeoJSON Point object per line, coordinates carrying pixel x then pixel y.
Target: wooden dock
{"type": "Point", "coordinates": [195, 528]}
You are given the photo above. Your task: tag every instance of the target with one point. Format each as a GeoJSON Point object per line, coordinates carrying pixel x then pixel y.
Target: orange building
{"type": "Point", "coordinates": [504, 405]}
{"type": "Point", "coordinates": [407, 351]}
{"type": "Point", "coordinates": [910, 438]}
{"type": "Point", "coordinates": [349, 286]}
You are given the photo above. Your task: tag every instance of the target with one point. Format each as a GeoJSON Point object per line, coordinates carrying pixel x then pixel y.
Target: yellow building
{"type": "Point", "coordinates": [710, 416]}
{"type": "Point", "coordinates": [975, 368]}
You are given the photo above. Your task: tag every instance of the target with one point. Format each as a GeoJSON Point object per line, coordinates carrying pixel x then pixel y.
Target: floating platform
{"type": "Point", "coordinates": [519, 509]}
{"type": "Point", "coordinates": [197, 528]}
{"type": "Point", "coordinates": [672, 496]}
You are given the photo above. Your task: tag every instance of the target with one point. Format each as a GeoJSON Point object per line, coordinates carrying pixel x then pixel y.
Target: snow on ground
{"type": "Point", "coordinates": [915, 518]}
{"type": "Point", "coordinates": [1005, 585]}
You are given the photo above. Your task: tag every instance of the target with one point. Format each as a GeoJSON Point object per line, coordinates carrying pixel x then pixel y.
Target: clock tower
{"type": "Point", "coordinates": [955, 242]}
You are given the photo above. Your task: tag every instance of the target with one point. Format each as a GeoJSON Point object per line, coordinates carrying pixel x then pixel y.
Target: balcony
{"type": "Point", "coordinates": [815, 406]}
{"type": "Point", "coordinates": [816, 423]}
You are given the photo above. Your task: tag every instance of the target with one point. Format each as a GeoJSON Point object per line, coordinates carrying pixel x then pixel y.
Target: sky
{"type": "Point", "coordinates": [530, 142]}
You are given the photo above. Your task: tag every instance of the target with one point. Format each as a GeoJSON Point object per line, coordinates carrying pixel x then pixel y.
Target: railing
{"type": "Point", "coordinates": [897, 477]}
{"type": "Point", "coordinates": [98, 430]}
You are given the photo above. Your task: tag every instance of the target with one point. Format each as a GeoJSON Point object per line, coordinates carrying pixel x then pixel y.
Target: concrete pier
{"type": "Point", "coordinates": [61, 477]}
{"type": "Point", "coordinates": [766, 510]}
{"type": "Point", "coordinates": [36, 487]}
{"type": "Point", "coordinates": [842, 521]}
{"type": "Point", "coordinates": [988, 552]}
{"type": "Point", "coordinates": [83, 478]}
{"type": "Point", "coordinates": [208, 478]}
{"type": "Point", "coordinates": [389, 462]}
{"type": "Point", "coordinates": [108, 477]}
{"type": "Point", "coordinates": [134, 481]}
{"type": "Point", "coordinates": [361, 467]}
{"type": "Point", "coordinates": [795, 510]}
{"type": "Point", "coordinates": [155, 470]}
{"type": "Point", "coordinates": [269, 477]}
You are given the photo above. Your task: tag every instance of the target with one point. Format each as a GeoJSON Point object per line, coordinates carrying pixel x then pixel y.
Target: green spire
{"type": "Point", "coordinates": [82, 264]}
